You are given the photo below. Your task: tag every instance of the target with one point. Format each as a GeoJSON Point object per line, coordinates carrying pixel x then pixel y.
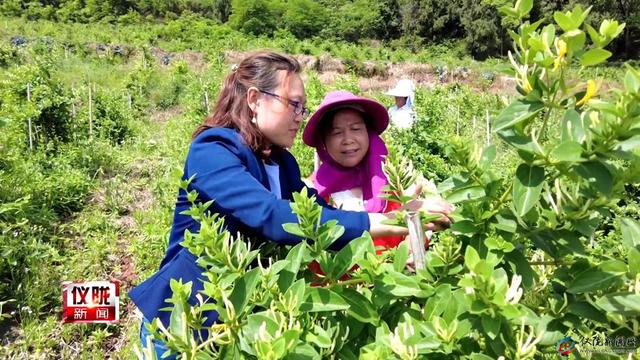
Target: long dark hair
{"type": "Point", "coordinates": [231, 110]}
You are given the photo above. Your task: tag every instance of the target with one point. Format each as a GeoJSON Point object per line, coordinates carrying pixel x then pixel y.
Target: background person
{"type": "Point", "coordinates": [402, 114]}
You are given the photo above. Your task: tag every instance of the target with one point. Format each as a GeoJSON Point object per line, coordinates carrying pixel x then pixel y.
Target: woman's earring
{"type": "Point", "coordinates": [254, 121]}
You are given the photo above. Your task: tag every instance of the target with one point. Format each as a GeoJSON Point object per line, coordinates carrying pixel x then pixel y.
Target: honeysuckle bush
{"type": "Point", "coordinates": [525, 264]}
{"type": "Point", "coordinates": [577, 149]}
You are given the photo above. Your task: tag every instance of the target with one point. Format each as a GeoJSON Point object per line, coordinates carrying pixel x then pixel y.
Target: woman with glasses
{"type": "Point", "coordinates": [238, 159]}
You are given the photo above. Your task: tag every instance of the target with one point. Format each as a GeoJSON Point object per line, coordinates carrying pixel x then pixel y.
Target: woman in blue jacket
{"type": "Point", "coordinates": [238, 158]}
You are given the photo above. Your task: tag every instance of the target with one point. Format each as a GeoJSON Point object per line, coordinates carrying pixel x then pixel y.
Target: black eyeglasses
{"type": "Point", "coordinates": [298, 109]}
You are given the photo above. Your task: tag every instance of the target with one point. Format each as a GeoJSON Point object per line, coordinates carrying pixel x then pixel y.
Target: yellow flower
{"type": "Point", "coordinates": [561, 49]}
{"type": "Point", "coordinates": [526, 85]}
{"type": "Point", "coordinates": [592, 88]}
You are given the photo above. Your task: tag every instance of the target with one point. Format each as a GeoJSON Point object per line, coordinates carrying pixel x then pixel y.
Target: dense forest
{"type": "Point", "coordinates": [475, 26]}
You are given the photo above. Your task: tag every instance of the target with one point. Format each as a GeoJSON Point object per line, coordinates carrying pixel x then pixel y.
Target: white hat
{"type": "Point", "coordinates": [404, 88]}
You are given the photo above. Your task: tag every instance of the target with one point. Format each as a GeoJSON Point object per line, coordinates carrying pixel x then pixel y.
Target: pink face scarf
{"type": "Point", "coordinates": [368, 175]}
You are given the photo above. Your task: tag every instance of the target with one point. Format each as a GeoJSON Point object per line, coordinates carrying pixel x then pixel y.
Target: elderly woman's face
{"type": "Point", "coordinates": [347, 140]}
{"type": "Point", "coordinates": [400, 101]}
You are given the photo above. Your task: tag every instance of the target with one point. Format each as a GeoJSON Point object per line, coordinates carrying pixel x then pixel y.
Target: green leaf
{"type": "Point", "coordinates": [631, 82]}
{"type": "Point", "coordinates": [523, 7]}
{"type": "Point", "coordinates": [401, 256]}
{"type": "Point", "coordinates": [296, 291]}
{"type": "Point", "coordinates": [520, 265]}
{"type": "Point", "coordinates": [494, 243]}
{"type": "Point", "coordinates": [543, 240]}
{"type": "Point", "coordinates": [568, 242]}
{"type": "Point", "coordinates": [491, 326]}
{"type": "Point", "coordinates": [610, 29]}
{"type": "Point", "coordinates": [400, 285]}
{"type": "Point", "coordinates": [594, 57]}
{"type": "Point", "coordinates": [578, 16]}
{"type": "Point", "coordinates": [548, 34]}
{"type": "Point", "coordinates": [360, 307]}
{"type": "Point", "coordinates": [527, 187]}
{"type": "Point", "coordinates": [596, 175]}
{"type": "Point", "coordinates": [623, 303]}
{"type": "Point", "coordinates": [506, 224]}
{"type": "Point", "coordinates": [518, 141]}
{"type": "Point", "coordinates": [488, 155]}
{"type": "Point", "coordinates": [595, 37]}
{"type": "Point", "coordinates": [303, 351]}
{"type": "Point", "coordinates": [349, 255]}
{"type": "Point", "coordinates": [465, 194]}
{"type": "Point", "coordinates": [630, 144]}
{"type": "Point", "coordinates": [319, 299]}
{"type": "Point", "coordinates": [450, 183]}
{"type": "Point", "coordinates": [477, 356]}
{"type": "Point", "coordinates": [591, 280]}
{"type": "Point", "coordinates": [569, 151]}
{"type": "Point", "coordinates": [471, 257]}
{"type": "Point", "coordinates": [613, 266]}
{"type": "Point", "coordinates": [630, 232]}
{"type": "Point", "coordinates": [290, 272]}
{"type": "Point", "coordinates": [517, 112]}
{"type": "Point", "coordinates": [564, 21]}
{"type": "Point", "coordinates": [243, 289]}
{"type": "Point", "coordinates": [572, 127]}
{"type": "Point", "coordinates": [575, 40]}
{"type": "Point", "coordinates": [257, 320]}
{"type": "Point", "coordinates": [319, 337]}
{"type": "Point", "coordinates": [605, 107]}
{"type": "Point", "coordinates": [587, 311]}
{"type": "Point", "coordinates": [464, 227]}
{"type": "Point", "coordinates": [634, 261]}
{"type": "Point", "coordinates": [177, 321]}
{"type": "Point", "coordinates": [509, 11]}
{"type": "Point", "coordinates": [294, 229]}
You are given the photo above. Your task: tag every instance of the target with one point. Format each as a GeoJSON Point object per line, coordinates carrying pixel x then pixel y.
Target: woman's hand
{"type": "Point", "coordinates": [433, 205]}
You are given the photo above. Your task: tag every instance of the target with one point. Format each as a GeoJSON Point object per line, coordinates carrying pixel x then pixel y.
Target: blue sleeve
{"type": "Point", "coordinates": [220, 175]}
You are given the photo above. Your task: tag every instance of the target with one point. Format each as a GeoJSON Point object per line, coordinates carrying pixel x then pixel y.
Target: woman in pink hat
{"type": "Point", "coordinates": [345, 130]}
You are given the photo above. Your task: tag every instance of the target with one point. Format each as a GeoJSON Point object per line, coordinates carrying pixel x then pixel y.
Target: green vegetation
{"type": "Point", "coordinates": [527, 263]}
{"type": "Point", "coordinates": [477, 25]}
{"type": "Point", "coordinates": [90, 193]}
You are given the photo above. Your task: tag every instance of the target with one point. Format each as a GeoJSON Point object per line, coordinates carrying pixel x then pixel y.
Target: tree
{"type": "Point", "coordinates": [222, 10]}
{"type": "Point", "coordinates": [482, 27]}
{"type": "Point", "coordinates": [256, 17]}
{"type": "Point", "coordinates": [392, 20]}
{"type": "Point", "coordinates": [305, 18]}
{"type": "Point", "coordinates": [433, 20]}
{"type": "Point", "coordinates": [355, 20]}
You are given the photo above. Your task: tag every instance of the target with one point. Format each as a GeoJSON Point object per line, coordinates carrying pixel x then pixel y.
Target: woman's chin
{"type": "Point", "coordinates": [286, 144]}
{"type": "Point", "coordinates": [348, 163]}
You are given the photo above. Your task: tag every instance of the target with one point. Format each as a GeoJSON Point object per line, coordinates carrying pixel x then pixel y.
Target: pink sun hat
{"type": "Point", "coordinates": [375, 113]}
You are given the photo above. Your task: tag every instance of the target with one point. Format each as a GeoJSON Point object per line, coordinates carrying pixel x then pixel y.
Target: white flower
{"type": "Point", "coordinates": [397, 342]}
{"type": "Point", "coordinates": [515, 291]}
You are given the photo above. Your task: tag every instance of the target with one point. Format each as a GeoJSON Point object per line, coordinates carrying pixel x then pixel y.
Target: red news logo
{"type": "Point", "coordinates": [90, 302]}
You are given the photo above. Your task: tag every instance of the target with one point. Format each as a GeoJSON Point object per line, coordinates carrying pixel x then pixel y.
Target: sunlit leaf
{"type": "Point", "coordinates": [527, 187]}
{"type": "Point", "coordinates": [594, 57]}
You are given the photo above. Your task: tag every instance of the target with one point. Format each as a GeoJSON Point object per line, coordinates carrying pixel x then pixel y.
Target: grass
{"type": "Point", "coordinates": [121, 233]}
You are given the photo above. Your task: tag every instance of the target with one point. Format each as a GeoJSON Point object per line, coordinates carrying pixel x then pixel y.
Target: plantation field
{"type": "Point", "coordinates": [543, 166]}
